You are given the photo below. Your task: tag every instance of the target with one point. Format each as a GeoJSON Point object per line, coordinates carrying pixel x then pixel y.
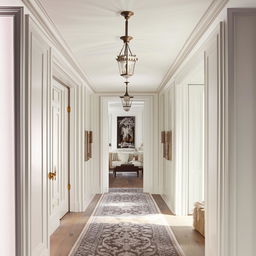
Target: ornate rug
{"type": "Point", "coordinates": [126, 222]}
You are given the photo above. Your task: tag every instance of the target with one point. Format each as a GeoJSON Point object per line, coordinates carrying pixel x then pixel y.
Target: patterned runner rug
{"type": "Point", "coordinates": [126, 222]}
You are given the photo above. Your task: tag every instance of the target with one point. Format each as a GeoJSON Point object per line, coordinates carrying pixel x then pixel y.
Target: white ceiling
{"type": "Point", "coordinates": [92, 29]}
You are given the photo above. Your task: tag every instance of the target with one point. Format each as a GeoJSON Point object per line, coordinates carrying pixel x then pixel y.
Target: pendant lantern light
{"type": "Point", "coordinates": [126, 60]}
{"type": "Point", "coordinates": [126, 99]}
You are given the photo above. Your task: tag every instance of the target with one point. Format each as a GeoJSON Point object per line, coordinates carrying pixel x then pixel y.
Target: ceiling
{"type": "Point", "coordinates": [92, 28]}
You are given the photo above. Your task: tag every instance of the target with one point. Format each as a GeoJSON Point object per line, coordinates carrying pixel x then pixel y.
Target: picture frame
{"type": "Point", "coordinates": [163, 142]}
{"type": "Point", "coordinates": [126, 132]}
{"type": "Point", "coordinates": [166, 140]}
{"type": "Point", "coordinates": [86, 147]}
{"type": "Point", "coordinates": [168, 143]}
{"type": "Point", "coordinates": [88, 140]}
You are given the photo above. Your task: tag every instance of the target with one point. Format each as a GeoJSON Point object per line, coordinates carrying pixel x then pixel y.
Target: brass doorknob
{"type": "Point", "coordinates": [52, 175]}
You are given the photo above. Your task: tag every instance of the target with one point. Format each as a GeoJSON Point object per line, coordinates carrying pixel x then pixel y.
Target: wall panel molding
{"type": "Point", "coordinates": [37, 79]}
{"type": "Point", "coordinates": [37, 10]}
{"type": "Point", "coordinates": [202, 26]}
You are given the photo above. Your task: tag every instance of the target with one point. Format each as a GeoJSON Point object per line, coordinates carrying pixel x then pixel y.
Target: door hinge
{"type": "Point", "coordinates": [69, 187]}
{"type": "Point", "coordinates": [68, 109]}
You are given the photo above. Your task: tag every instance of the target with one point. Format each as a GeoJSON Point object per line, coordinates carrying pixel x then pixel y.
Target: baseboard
{"type": "Point", "coordinates": [167, 201]}
{"type": "Point", "coordinates": [87, 202]}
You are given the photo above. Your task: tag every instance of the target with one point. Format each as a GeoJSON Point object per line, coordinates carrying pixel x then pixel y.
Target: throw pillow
{"type": "Point", "coordinates": [123, 157]}
{"type": "Point", "coordinates": [115, 157]}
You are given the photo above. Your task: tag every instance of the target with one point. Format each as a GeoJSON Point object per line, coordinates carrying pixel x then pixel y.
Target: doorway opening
{"type": "Point", "coordinates": [125, 140]}
{"type": "Point", "coordinates": [142, 154]}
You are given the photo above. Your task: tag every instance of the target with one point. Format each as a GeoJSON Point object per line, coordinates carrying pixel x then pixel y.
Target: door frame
{"type": "Point", "coordinates": [62, 76]}
{"type": "Point", "coordinates": [19, 133]}
{"type": "Point", "coordinates": [58, 81]}
{"type": "Point", "coordinates": [150, 177]}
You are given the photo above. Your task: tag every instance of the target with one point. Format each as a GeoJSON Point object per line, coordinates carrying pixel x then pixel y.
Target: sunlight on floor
{"type": "Point", "coordinates": [154, 219]}
{"type": "Point", "coordinates": [179, 221]}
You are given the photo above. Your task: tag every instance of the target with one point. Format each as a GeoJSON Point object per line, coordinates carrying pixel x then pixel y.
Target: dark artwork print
{"type": "Point", "coordinates": [126, 132]}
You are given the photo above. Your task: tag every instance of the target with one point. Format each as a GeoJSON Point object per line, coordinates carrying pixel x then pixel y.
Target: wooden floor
{"type": "Point", "coordinates": [125, 180]}
{"type": "Point", "coordinates": [72, 224]}
{"type": "Point", "coordinates": [63, 239]}
{"type": "Point", "coordinates": [190, 240]}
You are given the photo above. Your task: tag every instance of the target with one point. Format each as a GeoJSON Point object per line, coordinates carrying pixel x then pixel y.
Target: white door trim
{"type": "Point", "coordinates": [19, 118]}
{"type": "Point", "coordinates": [151, 173]}
{"type": "Point", "coordinates": [60, 74]}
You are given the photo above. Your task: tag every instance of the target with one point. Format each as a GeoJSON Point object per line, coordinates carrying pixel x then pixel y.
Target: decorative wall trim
{"type": "Point", "coordinates": [59, 74]}
{"type": "Point", "coordinates": [38, 11]}
{"type": "Point", "coordinates": [202, 26]}
{"type": "Point", "coordinates": [20, 226]}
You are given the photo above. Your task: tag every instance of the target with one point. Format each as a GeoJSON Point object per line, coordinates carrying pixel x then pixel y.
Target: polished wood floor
{"type": "Point", "coordinates": [63, 239]}
{"type": "Point", "coordinates": [191, 241]}
{"type": "Point", "coordinates": [71, 225]}
{"type": "Point", "coordinates": [125, 180]}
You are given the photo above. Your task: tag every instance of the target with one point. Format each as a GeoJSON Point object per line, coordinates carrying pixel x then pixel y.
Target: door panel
{"type": "Point", "coordinates": [58, 175]}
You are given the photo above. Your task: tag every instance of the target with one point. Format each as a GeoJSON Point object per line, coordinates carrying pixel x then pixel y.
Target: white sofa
{"type": "Point", "coordinates": [119, 158]}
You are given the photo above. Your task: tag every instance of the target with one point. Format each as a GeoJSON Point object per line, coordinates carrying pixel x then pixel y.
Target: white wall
{"type": "Point", "coordinates": [44, 57]}
{"type": "Point", "coordinates": [241, 132]}
{"type": "Point", "coordinates": [167, 116]}
{"type": "Point", "coordinates": [82, 190]}
{"type": "Point", "coordinates": [116, 110]}
{"type": "Point", "coordinates": [7, 181]}
{"type": "Point", "coordinates": [230, 179]}
{"type": "Point", "coordinates": [176, 103]}
{"type": "Point", "coordinates": [195, 145]}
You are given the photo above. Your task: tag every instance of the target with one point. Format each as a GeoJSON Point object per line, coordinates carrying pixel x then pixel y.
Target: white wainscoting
{"type": "Point", "coordinates": [214, 173]}
{"type": "Point", "coordinates": [38, 85]}
{"type": "Point", "coordinates": [175, 116]}
{"type": "Point", "coordinates": [44, 63]}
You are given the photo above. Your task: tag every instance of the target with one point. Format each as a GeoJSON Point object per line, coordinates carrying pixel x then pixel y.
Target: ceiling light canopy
{"type": "Point", "coordinates": [126, 60]}
{"type": "Point", "coordinates": [126, 99]}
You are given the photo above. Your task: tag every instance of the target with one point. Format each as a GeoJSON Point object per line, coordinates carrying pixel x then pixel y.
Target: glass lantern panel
{"type": "Point", "coordinates": [130, 68]}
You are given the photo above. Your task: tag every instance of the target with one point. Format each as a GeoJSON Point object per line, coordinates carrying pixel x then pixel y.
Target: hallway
{"type": "Point", "coordinates": [119, 207]}
{"type": "Point", "coordinates": [125, 180]}
{"type": "Point", "coordinates": [94, 113]}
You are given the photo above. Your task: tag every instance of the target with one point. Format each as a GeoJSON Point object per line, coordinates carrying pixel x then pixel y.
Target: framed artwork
{"type": "Point", "coordinates": [168, 144]}
{"type": "Point", "coordinates": [163, 142]}
{"type": "Point", "coordinates": [88, 139]}
{"type": "Point", "coordinates": [166, 140]}
{"type": "Point", "coordinates": [86, 143]}
{"type": "Point", "coordinates": [126, 132]}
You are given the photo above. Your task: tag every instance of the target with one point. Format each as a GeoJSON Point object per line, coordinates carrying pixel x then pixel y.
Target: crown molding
{"type": "Point", "coordinates": [204, 23]}
{"type": "Point", "coordinates": [38, 11]}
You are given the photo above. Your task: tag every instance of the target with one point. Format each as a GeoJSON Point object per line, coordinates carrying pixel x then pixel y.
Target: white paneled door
{"type": "Point", "coordinates": [58, 176]}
